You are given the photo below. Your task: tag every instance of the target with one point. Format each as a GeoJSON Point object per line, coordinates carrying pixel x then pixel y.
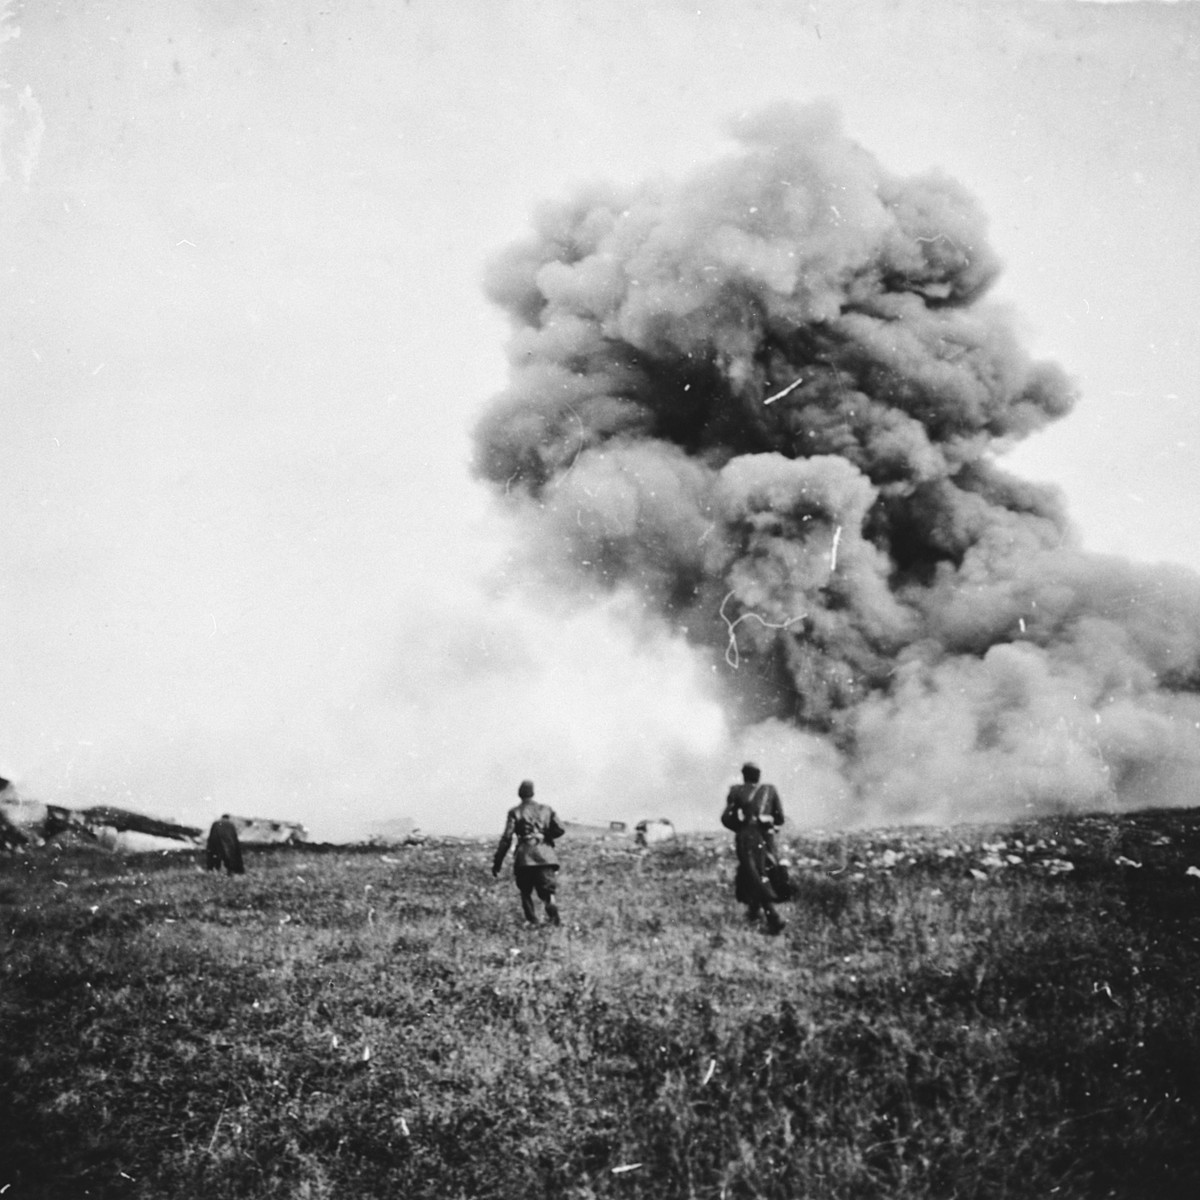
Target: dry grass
{"type": "Point", "coordinates": [958, 1013]}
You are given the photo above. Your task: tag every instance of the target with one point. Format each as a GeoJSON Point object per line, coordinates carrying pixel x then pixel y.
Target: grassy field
{"type": "Point", "coordinates": [955, 1013]}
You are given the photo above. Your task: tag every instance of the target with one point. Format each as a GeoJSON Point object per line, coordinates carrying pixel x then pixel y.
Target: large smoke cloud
{"type": "Point", "coordinates": [769, 400]}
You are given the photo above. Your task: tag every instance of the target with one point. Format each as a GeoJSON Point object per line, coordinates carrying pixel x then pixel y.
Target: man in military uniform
{"type": "Point", "coordinates": [753, 810]}
{"type": "Point", "coordinates": [224, 849]}
{"type": "Point", "coordinates": [535, 829]}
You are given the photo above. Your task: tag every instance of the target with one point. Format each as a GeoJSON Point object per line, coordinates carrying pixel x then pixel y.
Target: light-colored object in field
{"type": "Point", "coordinates": [258, 831]}
{"type": "Point", "coordinates": [131, 841]}
{"type": "Point", "coordinates": [653, 830]}
{"type": "Point", "coordinates": [397, 831]}
{"type": "Point", "coordinates": [31, 823]}
{"type": "Point", "coordinates": [590, 830]}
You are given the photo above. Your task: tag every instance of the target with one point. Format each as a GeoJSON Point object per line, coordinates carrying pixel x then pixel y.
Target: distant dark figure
{"type": "Point", "coordinates": [752, 811]}
{"type": "Point", "coordinates": [224, 849]}
{"type": "Point", "coordinates": [535, 865]}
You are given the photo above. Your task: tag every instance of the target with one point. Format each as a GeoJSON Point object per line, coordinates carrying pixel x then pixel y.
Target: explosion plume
{"type": "Point", "coordinates": [769, 400]}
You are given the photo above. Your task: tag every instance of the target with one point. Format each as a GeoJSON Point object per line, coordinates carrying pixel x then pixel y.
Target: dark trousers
{"type": "Point", "coordinates": [539, 879]}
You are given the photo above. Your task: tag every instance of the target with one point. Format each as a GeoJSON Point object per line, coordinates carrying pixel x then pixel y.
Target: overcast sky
{"type": "Point", "coordinates": [244, 341]}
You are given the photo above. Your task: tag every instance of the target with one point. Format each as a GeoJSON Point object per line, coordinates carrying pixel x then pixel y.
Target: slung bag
{"type": "Point", "coordinates": [780, 879]}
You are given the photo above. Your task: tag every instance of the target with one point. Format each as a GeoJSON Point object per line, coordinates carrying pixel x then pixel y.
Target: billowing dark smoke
{"type": "Point", "coordinates": [769, 399]}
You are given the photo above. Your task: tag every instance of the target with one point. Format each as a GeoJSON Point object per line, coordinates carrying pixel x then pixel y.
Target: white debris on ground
{"type": "Point", "coordinates": [982, 854]}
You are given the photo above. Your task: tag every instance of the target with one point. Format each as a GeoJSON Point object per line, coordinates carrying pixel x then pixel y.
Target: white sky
{"type": "Point", "coordinates": [244, 340]}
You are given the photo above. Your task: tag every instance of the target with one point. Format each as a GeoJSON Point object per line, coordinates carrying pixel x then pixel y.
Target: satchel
{"type": "Point", "coordinates": [780, 879]}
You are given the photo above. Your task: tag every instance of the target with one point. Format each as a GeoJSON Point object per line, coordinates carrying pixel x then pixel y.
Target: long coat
{"type": "Point", "coordinates": [753, 811]}
{"type": "Point", "coordinates": [224, 849]}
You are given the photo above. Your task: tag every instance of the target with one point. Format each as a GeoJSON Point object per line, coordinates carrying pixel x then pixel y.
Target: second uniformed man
{"type": "Point", "coordinates": [535, 829]}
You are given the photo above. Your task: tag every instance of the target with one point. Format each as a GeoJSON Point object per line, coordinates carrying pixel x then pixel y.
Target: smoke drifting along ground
{"type": "Point", "coordinates": [768, 400]}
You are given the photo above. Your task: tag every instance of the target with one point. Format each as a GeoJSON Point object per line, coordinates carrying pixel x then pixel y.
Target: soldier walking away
{"type": "Point", "coordinates": [224, 849]}
{"type": "Point", "coordinates": [535, 829]}
{"type": "Point", "coordinates": [753, 810]}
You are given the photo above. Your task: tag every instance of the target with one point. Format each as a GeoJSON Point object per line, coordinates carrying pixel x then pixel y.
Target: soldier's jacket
{"type": "Point", "coordinates": [752, 805]}
{"type": "Point", "coordinates": [535, 829]}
